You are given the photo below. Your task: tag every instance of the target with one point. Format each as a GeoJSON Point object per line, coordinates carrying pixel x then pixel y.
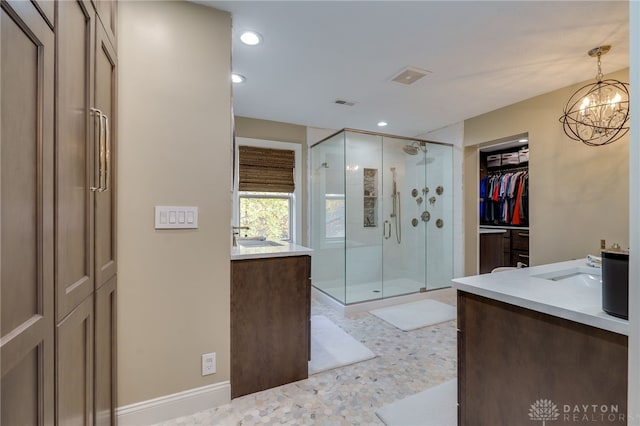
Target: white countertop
{"type": "Point", "coordinates": [284, 250]}
{"type": "Point", "coordinates": [492, 230]}
{"type": "Point", "coordinates": [568, 300]}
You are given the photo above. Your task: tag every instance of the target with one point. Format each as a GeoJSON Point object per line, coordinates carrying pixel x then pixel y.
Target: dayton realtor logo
{"type": "Point", "coordinates": [545, 410]}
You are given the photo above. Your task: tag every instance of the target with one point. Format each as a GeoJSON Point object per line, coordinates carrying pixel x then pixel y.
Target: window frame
{"type": "Point", "coordinates": [296, 205]}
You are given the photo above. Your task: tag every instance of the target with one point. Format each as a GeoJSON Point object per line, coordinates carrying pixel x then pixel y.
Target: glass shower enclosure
{"type": "Point", "coordinates": [381, 215]}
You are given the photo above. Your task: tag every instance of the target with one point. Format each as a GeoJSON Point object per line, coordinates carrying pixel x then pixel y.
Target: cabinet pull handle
{"type": "Point", "coordinates": [386, 234]}
{"type": "Point", "coordinates": [107, 153]}
{"type": "Point", "coordinates": [97, 152]}
{"type": "Point", "coordinates": [525, 256]}
{"type": "Point", "coordinates": [523, 234]}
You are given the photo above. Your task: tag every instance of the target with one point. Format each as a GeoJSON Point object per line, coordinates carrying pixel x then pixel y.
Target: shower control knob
{"type": "Point", "coordinates": [425, 216]}
{"type": "Point", "coordinates": [439, 223]}
{"type": "Point", "coordinates": [414, 222]}
{"type": "Point", "coordinates": [439, 190]}
{"type": "Point", "coordinates": [414, 192]}
{"type": "Point", "coordinates": [432, 200]}
{"type": "Point", "coordinates": [425, 190]}
{"type": "Point", "coordinates": [419, 200]}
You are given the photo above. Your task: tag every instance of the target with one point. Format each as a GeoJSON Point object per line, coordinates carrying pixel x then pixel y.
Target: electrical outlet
{"type": "Point", "coordinates": [208, 363]}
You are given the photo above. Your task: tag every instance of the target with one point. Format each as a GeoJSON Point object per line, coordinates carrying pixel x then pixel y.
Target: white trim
{"type": "Point", "coordinates": [175, 405]}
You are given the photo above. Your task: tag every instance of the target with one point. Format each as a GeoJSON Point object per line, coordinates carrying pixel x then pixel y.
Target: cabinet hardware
{"type": "Point", "coordinates": [107, 153]}
{"type": "Point", "coordinates": [98, 151]}
{"type": "Point", "coordinates": [521, 234]}
{"type": "Point", "coordinates": [525, 256]}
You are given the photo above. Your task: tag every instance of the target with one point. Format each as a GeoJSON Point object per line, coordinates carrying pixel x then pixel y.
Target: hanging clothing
{"type": "Point", "coordinates": [504, 198]}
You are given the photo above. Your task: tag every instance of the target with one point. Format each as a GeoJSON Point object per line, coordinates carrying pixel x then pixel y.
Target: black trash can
{"type": "Point", "coordinates": [615, 282]}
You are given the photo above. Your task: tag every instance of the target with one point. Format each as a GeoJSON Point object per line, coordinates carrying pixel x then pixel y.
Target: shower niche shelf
{"type": "Point", "coordinates": [370, 197]}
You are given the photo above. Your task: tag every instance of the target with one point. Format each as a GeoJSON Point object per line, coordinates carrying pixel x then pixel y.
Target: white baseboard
{"type": "Point", "coordinates": [179, 404]}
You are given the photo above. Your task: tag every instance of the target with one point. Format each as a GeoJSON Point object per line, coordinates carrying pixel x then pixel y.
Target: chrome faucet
{"type": "Point", "coordinates": [236, 233]}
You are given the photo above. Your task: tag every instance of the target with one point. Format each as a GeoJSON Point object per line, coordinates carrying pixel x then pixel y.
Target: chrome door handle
{"type": "Point", "coordinates": [97, 151]}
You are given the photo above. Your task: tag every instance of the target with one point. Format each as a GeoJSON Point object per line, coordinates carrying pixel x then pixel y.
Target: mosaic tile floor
{"type": "Point", "coordinates": [407, 363]}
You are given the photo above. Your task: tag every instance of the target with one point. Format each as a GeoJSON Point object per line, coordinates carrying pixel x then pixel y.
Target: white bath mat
{"type": "Point", "coordinates": [410, 316]}
{"type": "Point", "coordinates": [331, 347]}
{"type": "Point", "coordinates": [436, 406]}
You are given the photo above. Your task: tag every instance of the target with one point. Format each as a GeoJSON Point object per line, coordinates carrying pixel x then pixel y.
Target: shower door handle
{"type": "Point", "coordinates": [385, 232]}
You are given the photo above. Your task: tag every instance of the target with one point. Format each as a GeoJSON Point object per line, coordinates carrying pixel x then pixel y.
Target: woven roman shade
{"type": "Point", "coordinates": [266, 169]}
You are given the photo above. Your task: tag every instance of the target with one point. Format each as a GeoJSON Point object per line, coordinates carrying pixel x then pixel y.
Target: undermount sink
{"type": "Point", "coordinates": [588, 277]}
{"type": "Point", "coordinates": [258, 243]}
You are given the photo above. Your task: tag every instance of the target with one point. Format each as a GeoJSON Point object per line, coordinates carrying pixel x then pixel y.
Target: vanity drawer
{"type": "Point", "coordinates": [520, 239]}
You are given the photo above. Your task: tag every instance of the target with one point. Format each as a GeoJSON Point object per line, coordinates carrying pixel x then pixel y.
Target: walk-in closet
{"type": "Point", "coordinates": [503, 210]}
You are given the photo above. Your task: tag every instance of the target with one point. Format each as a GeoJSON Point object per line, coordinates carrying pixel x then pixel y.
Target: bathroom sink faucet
{"type": "Point", "coordinates": [236, 233]}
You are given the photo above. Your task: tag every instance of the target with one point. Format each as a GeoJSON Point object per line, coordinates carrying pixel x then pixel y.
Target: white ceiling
{"type": "Point", "coordinates": [483, 56]}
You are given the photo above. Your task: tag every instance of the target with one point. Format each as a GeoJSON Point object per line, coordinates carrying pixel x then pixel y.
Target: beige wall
{"type": "Point", "coordinates": [174, 145]}
{"type": "Point", "coordinates": [283, 132]}
{"type": "Point", "coordinates": [578, 194]}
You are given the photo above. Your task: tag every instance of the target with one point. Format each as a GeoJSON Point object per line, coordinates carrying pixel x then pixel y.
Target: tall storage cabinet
{"type": "Point", "coordinates": [66, 151]}
{"type": "Point", "coordinates": [26, 224]}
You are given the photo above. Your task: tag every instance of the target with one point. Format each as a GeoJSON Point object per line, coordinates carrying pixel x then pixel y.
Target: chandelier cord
{"type": "Point", "coordinates": [599, 76]}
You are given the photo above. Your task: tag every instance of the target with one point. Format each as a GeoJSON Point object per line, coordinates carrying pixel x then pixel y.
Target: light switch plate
{"type": "Point", "coordinates": [176, 217]}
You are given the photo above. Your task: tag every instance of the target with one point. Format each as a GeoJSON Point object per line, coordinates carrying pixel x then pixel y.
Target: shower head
{"type": "Point", "coordinates": [410, 149]}
{"type": "Point", "coordinates": [415, 147]}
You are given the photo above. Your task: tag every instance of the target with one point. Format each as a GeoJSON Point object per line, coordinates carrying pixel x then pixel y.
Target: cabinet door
{"type": "Point", "coordinates": [269, 323]}
{"type": "Point", "coordinates": [26, 230]}
{"type": "Point", "coordinates": [105, 201]}
{"type": "Point", "coordinates": [76, 131]}
{"type": "Point", "coordinates": [74, 367]}
{"type": "Point", "coordinates": [107, 12]}
{"type": "Point", "coordinates": [494, 251]}
{"type": "Point", "coordinates": [105, 354]}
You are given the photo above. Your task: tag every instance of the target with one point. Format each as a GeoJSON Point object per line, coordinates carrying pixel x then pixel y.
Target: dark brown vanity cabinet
{"type": "Point", "coordinates": [510, 357]}
{"type": "Point", "coordinates": [270, 322]}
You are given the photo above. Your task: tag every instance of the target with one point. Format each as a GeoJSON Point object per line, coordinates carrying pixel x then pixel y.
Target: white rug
{"type": "Point", "coordinates": [331, 347]}
{"type": "Point", "coordinates": [436, 406]}
{"type": "Point", "coordinates": [410, 316]}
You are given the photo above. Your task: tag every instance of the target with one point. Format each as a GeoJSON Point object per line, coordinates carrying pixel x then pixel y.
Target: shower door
{"type": "Point", "coordinates": [439, 229]}
{"type": "Point", "coordinates": [405, 200]}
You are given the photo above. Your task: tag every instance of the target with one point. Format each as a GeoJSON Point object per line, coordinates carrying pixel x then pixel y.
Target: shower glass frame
{"type": "Point", "coordinates": [364, 262]}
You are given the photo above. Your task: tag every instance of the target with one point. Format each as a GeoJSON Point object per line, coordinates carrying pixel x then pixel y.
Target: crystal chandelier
{"type": "Point", "coordinates": [598, 113]}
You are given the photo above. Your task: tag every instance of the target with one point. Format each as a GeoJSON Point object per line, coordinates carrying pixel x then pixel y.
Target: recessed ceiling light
{"type": "Point", "coordinates": [250, 38]}
{"type": "Point", "coordinates": [382, 123]}
{"type": "Point", "coordinates": [237, 78]}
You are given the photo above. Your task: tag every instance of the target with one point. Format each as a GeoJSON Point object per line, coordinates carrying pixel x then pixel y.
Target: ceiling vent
{"type": "Point", "coordinates": [343, 102]}
{"type": "Point", "coordinates": [409, 75]}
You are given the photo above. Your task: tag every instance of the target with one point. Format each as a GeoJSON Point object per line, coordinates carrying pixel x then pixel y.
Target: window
{"type": "Point", "coordinates": [334, 216]}
{"type": "Point", "coordinates": [267, 214]}
{"type": "Point", "coordinates": [268, 191]}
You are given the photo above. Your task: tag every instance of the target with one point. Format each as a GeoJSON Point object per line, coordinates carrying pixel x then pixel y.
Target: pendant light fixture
{"type": "Point", "coordinates": [598, 113]}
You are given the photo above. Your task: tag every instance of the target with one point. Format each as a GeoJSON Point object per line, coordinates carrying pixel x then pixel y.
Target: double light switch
{"type": "Point", "coordinates": [172, 217]}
